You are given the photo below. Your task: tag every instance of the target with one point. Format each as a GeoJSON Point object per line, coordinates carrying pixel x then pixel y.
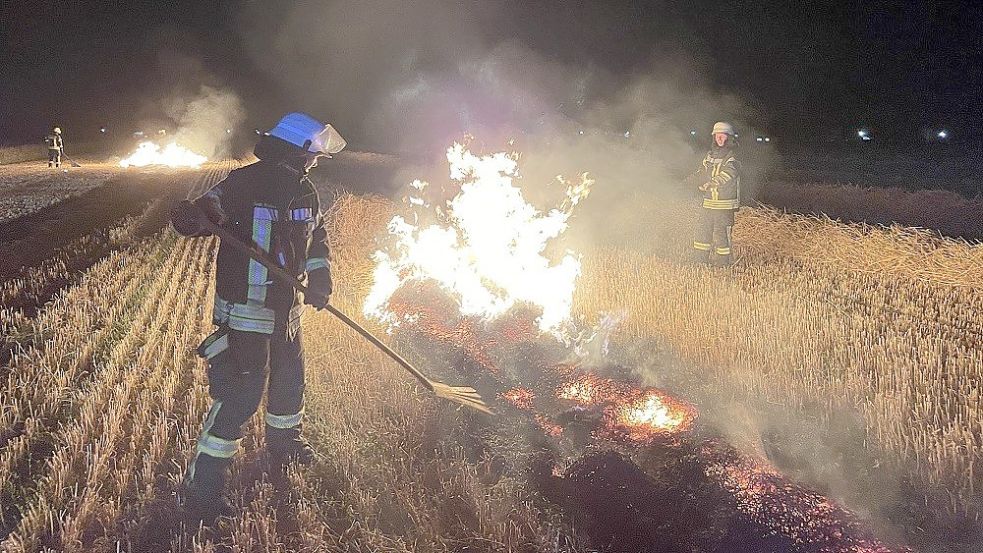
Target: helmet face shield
{"type": "Point", "coordinates": [307, 133]}
{"type": "Point", "coordinates": [328, 141]}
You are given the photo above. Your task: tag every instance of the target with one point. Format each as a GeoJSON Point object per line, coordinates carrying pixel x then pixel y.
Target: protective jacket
{"type": "Point", "coordinates": [275, 206]}
{"type": "Point", "coordinates": [721, 180]}
{"type": "Point", "coordinates": [54, 142]}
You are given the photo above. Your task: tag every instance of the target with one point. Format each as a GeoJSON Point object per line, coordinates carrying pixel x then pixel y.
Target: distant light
{"type": "Point", "coordinates": [943, 135]}
{"type": "Point", "coordinates": [862, 133]}
{"type": "Point", "coordinates": [767, 139]}
{"type": "Point", "coordinates": [228, 131]}
{"type": "Point", "coordinates": [162, 132]}
{"type": "Point", "coordinates": [692, 133]}
{"type": "Point", "coordinates": [760, 139]}
{"type": "Point", "coordinates": [581, 133]}
{"type": "Point", "coordinates": [627, 134]}
{"type": "Point", "coordinates": [102, 130]}
{"type": "Point", "coordinates": [138, 133]}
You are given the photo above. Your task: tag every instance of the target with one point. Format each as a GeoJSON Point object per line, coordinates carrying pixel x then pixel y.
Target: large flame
{"type": "Point", "coordinates": [172, 155]}
{"type": "Point", "coordinates": [486, 250]}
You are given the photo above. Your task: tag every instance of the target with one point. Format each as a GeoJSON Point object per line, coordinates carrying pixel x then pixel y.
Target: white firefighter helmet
{"type": "Point", "coordinates": [303, 131]}
{"type": "Point", "coordinates": [723, 127]}
{"type": "Point", "coordinates": [56, 130]}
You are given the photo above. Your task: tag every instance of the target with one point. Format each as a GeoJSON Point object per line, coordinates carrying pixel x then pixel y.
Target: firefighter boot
{"type": "Point", "coordinates": [286, 445]}
{"type": "Point", "coordinates": [205, 499]}
{"type": "Point", "coordinates": [723, 259]}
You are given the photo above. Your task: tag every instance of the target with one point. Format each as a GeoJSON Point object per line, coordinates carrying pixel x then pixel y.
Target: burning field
{"type": "Point", "coordinates": [635, 397]}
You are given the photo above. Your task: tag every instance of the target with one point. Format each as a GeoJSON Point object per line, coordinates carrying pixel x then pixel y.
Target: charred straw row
{"type": "Point", "coordinates": [886, 321]}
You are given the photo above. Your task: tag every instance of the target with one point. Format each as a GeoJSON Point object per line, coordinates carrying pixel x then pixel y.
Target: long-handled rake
{"type": "Point", "coordinates": [463, 395]}
{"type": "Point", "coordinates": [70, 160]}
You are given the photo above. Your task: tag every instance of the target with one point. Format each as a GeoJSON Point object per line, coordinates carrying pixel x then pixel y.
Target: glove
{"type": "Point", "coordinates": [212, 208]}
{"type": "Point", "coordinates": [186, 219]}
{"type": "Point", "coordinates": [318, 287]}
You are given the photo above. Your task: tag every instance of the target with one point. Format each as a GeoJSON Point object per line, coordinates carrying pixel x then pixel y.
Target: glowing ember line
{"type": "Point", "coordinates": [640, 415]}
{"type": "Point", "coordinates": [172, 155]}
{"type": "Point", "coordinates": [588, 390]}
{"type": "Point", "coordinates": [521, 398]}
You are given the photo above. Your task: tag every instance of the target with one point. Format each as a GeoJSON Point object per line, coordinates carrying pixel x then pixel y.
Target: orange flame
{"type": "Point", "coordinates": [651, 415]}
{"type": "Point", "coordinates": [639, 415]}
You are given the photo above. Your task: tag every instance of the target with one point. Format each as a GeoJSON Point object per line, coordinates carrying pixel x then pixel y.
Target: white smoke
{"type": "Point", "coordinates": [206, 121]}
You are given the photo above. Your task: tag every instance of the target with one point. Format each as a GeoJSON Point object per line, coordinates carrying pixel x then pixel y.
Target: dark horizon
{"type": "Point", "coordinates": [801, 73]}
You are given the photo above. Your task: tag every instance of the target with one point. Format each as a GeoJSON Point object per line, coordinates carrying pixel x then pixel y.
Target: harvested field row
{"type": "Point", "coordinates": [823, 317]}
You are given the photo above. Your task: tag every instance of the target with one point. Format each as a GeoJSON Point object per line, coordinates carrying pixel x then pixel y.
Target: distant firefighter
{"type": "Point", "coordinates": [56, 147]}
{"type": "Point", "coordinates": [720, 183]}
{"type": "Point", "coordinates": [257, 345]}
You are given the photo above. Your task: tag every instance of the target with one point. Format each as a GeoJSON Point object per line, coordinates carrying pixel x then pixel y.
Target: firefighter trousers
{"type": "Point", "coordinates": [714, 235]}
{"type": "Point", "coordinates": [54, 157]}
{"type": "Point", "coordinates": [237, 378]}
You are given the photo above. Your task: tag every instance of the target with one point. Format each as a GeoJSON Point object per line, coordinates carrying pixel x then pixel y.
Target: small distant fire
{"type": "Point", "coordinates": [172, 155]}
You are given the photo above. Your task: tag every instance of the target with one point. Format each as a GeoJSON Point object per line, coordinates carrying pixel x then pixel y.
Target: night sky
{"type": "Point", "coordinates": [803, 71]}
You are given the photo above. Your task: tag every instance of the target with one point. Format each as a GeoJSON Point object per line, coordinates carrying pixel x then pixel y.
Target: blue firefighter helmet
{"type": "Point", "coordinates": [305, 132]}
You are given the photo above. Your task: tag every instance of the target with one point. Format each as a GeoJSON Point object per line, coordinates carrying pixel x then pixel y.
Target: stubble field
{"type": "Point", "coordinates": [847, 358]}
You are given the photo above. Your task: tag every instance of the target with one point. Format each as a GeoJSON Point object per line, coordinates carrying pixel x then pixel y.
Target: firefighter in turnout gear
{"type": "Point", "coordinates": [257, 344]}
{"type": "Point", "coordinates": [720, 183]}
{"type": "Point", "coordinates": [56, 147]}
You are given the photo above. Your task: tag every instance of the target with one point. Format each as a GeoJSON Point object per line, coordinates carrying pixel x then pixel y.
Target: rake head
{"type": "Point", "coordinates": [462, 395]}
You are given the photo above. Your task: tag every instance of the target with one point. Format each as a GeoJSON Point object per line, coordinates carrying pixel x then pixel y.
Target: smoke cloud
{"type": "Point", "coordinates": [194, 107]}
{"type": "Point", "coordinates": [206, 120]}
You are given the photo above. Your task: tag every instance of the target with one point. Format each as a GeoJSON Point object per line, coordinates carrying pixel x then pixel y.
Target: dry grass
{"type": "Point", "coordinates": [39, 152]}
{"type": "Point", "coordinates": [99, 424]}
{"type": "Point", "coordinates": [25, 188]}
{"type": "Point", "coordinates": [886, 321]}
{"type": "Point", "coordinates": [945, 211]}
{"type": "Point", "coordinates": [100, 413]}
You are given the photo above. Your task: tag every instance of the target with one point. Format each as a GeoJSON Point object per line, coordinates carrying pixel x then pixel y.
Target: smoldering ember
{"type": "Point", "coordinates": [634, 276]}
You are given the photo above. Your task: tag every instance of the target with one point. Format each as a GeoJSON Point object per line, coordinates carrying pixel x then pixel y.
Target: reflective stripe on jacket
{"type": "Point", "coordinates": [277, 208]}
{"type": "Point", "coordinates": [722, 185]}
